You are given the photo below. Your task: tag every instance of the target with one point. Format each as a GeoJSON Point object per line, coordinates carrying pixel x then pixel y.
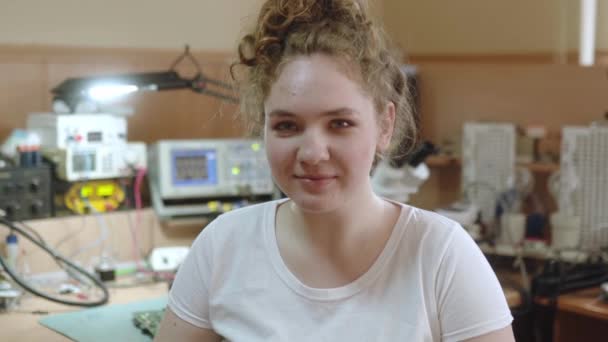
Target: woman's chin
{"type": "Point", "coordinates": [315, 204]}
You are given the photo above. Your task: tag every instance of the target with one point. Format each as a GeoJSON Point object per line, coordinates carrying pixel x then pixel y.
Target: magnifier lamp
{"type": "Point", "coordinates": [82, 94]}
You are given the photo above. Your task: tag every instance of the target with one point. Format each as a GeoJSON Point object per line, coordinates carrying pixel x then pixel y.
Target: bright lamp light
{"type": "Point", "coordinates": [72, 92]}
{"type": "Point", "coordinates": [109, 92]}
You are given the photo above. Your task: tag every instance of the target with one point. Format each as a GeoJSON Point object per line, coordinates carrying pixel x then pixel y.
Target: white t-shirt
{"type": "Point", "coordinates": [430, 283]}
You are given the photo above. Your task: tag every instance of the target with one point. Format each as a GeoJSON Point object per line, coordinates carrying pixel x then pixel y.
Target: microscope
{"type": "Point", "coordinates": [398, 178]}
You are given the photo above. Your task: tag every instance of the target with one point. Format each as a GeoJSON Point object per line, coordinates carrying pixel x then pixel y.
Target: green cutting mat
{"type": "Point", "coordinates": [106, 323]}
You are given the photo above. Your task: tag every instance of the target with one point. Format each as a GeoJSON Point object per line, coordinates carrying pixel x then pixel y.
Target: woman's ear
{"type": "Point", "coordinates": [386, 126]}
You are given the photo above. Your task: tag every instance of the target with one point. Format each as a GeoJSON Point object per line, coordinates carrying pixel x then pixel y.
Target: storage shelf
{"type": "Point", "coordinates": [438, 161]}
{"type": "Point", "coordinates": [441, 161]}
{"type": "Point", "coordinates": [532, 251]}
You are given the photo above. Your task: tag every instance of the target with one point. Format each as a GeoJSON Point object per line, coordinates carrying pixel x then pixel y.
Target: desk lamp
{"type": "Point", "coordinates": [73, 93]}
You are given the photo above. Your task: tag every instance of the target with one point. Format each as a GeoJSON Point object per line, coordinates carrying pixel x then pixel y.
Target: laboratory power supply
{"type": "Point", "coordinates": [89, 162]}
{"type": "Point", "coordinates": [64, 130]}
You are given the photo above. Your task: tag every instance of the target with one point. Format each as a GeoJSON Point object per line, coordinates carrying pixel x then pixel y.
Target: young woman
{"type": "Point", "coordinates": [332, 261]}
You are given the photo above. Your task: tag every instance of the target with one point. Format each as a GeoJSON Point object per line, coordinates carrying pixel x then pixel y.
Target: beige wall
{"type": "Point", "coordinates": [204, 24]}
{"type": "Point", "coordinates": [377, 7]}
{"type": "Point", "coordinates": [485, 27]}
{"type": "Point", "coordinates": [602, 25]}
{"type": "Point", "coordinates": [420, 27]}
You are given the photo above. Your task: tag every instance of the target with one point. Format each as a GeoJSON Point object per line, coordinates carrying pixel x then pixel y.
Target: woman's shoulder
{"type": "Point", "coordinates": [427, 222]}
{"type": "Point", "coordinates": [431, 237]}
{"type": "Point", "coordinates": [428, 229]}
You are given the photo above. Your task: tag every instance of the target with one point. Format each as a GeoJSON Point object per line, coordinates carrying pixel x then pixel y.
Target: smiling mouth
{"type": "Point", "coordinates": [315, 178]}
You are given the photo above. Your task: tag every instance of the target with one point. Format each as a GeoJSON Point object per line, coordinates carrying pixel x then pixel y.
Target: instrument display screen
{"type": "Point", "coordinates": [83, 162]}
{"type": "Point", "coordinates": [192, 166]}
{"type": "Point", "coordinates": [94, 137]}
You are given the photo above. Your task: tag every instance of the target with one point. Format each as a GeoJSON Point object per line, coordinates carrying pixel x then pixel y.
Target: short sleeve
{"type": "Point", "coordinates": [470, 300]}
{"type": "Point", "coordinates": [189, 295]}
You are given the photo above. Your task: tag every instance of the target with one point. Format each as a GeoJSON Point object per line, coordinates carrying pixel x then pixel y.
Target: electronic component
{"type": "Point", "coordinates": [148, 321]}
{"type": "Point", "coordinates": [25, 193]}
{"type": "Point", "coordinates": [64, 130]}
{"type": "Point", "coordinates": [9, 296]}
{"type": "Point", "coordinates": [105, 272]}
{"type": "Point", "coordinates": [488, 164]}
{"type": "Point", "coordinates": [167, 259]}
{"type": "Point", "coordinates": [583, 186]}
{"type": "Point", "coordinates": [186, 176]}
{"type": "Point", "coordinates": [98, 196]}
{"type": "Point", "coordinates": [75, 163]}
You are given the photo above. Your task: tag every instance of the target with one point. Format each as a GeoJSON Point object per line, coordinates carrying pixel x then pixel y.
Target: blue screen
{"type": "Point", "coordinates": [194, 167]}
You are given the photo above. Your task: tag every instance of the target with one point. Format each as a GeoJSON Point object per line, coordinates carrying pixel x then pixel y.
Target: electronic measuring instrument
{"type": "Point", "coordinates": [583, 187]}
{"type": "Point", "coordinates": [87, 146]}
{"type": "Point", "coordinates": [26, 193]}
{"type": "Point", "coordinates": [86, 162]}
{"type": "Point", "coordinates": [63, 130]}
{"type": "Point", "coordinates": [488, 164]}
{"type": "Point", "coordinates": [190, 178]}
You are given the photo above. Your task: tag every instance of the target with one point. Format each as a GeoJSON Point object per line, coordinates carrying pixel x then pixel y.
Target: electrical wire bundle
{"type": "Point", "coordinates": [64, 263]}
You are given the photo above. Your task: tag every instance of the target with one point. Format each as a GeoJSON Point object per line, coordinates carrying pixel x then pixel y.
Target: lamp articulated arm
{"type": "Point", "coordinates": [73, 91]}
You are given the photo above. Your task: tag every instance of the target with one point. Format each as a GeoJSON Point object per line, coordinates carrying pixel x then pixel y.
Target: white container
{"type": "Point", "coordinates": [513, 227]}
{"type": "Point", "coordinates": [12, 251]}
{"type": "Point", "coordinates": [565, 230]}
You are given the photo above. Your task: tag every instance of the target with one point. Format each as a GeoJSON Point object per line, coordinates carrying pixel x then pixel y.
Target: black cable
{"type": "Point", "coordinates": [21, 282]}
{"type": "Point", "coordinates": [33, 231]}
{"type": "Point", "coordinates": [59, 262]}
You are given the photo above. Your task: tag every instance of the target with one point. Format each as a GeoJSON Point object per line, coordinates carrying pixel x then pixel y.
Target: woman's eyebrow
{"type": "Point", "coordinates": [334, 112]}
{"type": "Point", "coordinates": [341, 111]}
{"type": "Point", "coordinates": [280, 113]}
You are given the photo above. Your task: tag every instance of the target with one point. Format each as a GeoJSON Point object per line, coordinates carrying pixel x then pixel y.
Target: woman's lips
{"type": "Point", "coordinates": [315, 177]}
{"type": "Point", "coordinates": [315, 182]}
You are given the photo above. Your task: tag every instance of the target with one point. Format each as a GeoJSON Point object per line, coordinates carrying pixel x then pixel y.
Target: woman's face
{"type": "Point", "coordinates": [321, 134]}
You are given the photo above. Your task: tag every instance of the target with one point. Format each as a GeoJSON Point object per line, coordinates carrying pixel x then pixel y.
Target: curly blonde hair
{"type": "Point", "coordinates": [339, 28]}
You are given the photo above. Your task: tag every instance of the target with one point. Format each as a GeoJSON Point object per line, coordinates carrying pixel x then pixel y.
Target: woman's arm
{"type": "Point", "coordinates": [501, 335]}
{"type": "Point", "coordinates": [173, 328]}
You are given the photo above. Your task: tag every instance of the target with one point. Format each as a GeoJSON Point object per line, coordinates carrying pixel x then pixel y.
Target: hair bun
{"type": "Point", "coordinates": [278, 18]}
{"type": "Point", "coordinates": [278, 15]}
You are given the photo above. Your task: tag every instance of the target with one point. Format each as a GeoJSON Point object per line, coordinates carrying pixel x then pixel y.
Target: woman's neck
{"type": "Point", "coordinates": [350, 223]}
{"type": "Point", "coordinates": [333, 249]}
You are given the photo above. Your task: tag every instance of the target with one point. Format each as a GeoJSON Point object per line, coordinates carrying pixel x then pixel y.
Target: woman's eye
{"type": "Point", "coordinates": [284, 126]}
{"type": "Point", "coordinates": [341, 124]}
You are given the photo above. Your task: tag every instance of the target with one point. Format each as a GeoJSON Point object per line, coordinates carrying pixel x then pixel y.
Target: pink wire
{"type": "Point", "coordinates": [139, 176]}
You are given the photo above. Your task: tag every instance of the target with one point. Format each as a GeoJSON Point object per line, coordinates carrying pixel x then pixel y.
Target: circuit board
{"type": "Point", "coordinates": [148, 321]}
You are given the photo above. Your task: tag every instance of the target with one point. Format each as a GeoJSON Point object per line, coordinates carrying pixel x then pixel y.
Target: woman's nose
{"type": "Point", "coordinates": [313, 149]}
